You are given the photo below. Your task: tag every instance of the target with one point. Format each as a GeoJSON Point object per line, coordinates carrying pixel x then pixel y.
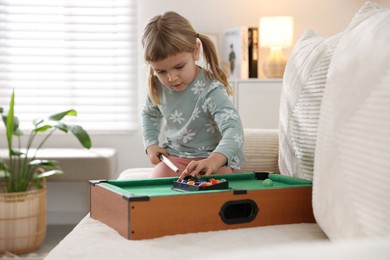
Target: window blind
{"type": "Point", "coordinates": [63, 54]}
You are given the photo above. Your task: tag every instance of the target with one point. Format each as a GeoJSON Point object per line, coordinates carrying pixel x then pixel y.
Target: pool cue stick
{"type": "Point", "coordinates": [168, 162]}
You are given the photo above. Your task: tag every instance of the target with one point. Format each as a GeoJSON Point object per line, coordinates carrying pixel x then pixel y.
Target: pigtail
{"type": "Point", "coordinates": [153, 91]}
{"type": "Point", "coordinates": [212, 62]}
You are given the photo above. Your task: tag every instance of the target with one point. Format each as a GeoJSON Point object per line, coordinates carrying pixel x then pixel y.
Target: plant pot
{"type": "Point", "coordinates": [22, 221]}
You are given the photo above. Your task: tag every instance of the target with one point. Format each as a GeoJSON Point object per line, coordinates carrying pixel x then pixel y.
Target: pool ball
{"type": "Point", "coordinates": [213, 181]}
{"type": "Point", "coordinates": [268, 183]}
{"type": "Point", "coordinates": [203, 184]}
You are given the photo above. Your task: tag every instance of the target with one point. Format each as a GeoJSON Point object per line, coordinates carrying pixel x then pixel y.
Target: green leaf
{"type": "Point", "coordinates": [44, 163]}
{"type": "Point", "coordinates": [38, 121]}
{"type": "Point", "coordinates": [16, 124]}
{"type": "Point", "coordinates": [81, 135]}
{"type": "Point", "coordinates": [4, 174]}
{"type": "Point", "coordinates": [48, 174]}
{"type": "Point", "coordinates": [63, 127]}
{"type": "Point", "coordinates": [61, 115]}
{"type": "Point", "coordinates": [10, 121]}
{"type": "Point", "coordinates": [43, 128]}
{"type": "Point", "coordinates": [38, 177]}
{"type": "Point", "coordinates": [37, 182]}
{"type": "Point", "coordinates": [16, 130]}
{"type": "Point", "coordinates": [17, 153]}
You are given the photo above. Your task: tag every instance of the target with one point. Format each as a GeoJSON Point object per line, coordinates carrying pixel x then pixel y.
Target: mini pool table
{"type": "Point", "coordinates": [149, 208]}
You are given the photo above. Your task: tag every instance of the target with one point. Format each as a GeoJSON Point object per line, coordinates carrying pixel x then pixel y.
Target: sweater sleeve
{"type": "Point", "coordinates": [151, 124]}
{"type": "Point", "coordinates": [229, 123]}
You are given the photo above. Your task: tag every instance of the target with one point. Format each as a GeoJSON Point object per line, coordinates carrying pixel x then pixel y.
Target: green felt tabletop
{"type": "Point", "coordinates": [163, 186]}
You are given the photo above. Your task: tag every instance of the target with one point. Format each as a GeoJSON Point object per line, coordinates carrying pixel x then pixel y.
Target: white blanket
{"type": "Point", "coordinates": [92, 239]}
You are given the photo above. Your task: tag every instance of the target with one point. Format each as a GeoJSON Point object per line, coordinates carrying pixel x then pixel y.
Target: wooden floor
{"type": "Point", "coordinates": [54, 234]}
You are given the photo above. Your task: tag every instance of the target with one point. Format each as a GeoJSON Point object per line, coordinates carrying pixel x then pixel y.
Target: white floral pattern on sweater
{"type": "Point", "coordinates": [199, 120]}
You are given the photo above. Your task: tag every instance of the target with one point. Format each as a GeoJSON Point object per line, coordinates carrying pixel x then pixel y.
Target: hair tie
{"type": "Point", "coordinates": [197, 35]}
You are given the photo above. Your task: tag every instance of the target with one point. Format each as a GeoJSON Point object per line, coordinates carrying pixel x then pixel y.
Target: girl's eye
{"type": "Point", "coordinates": [179, 67]}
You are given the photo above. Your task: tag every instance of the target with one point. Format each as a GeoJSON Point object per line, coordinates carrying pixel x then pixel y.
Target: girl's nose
{"type": "Point", "coordinates": [172, 77]}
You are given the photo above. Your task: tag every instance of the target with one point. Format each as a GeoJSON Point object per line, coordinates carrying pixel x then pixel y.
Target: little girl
{"type": "Point", "coordinates": [203, 131]}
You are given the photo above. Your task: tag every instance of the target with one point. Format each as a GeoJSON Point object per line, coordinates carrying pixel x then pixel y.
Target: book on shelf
{"type": "Point", "coordinates": [253, 51]}
{"type": "Point", "coordinates": [236, 52]}
{"type": "Point", "coordinates": [241, 51]}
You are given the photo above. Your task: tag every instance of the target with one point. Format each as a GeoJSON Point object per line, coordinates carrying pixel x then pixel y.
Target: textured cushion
{"type": "Point", "coordinates": [303, 85]}
{"type": "Point", "coordinates": [135, 174]}
{"type": "Point", "coordinates": [351, 188]}
{"type": "Point", "coordinates": [260, 150]}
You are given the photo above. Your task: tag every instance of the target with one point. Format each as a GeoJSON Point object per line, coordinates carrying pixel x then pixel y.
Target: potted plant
{"type": "Point", "coordinates": [22, 179]}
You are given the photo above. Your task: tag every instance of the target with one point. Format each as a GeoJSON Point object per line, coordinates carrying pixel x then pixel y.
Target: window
{"type": "Point", "coordinates": [62, 54]}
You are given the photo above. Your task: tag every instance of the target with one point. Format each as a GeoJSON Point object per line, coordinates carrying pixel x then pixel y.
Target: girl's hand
{"type": "Point", "coordinates": [205, 167]}
{"type": "Point", "coordinates": [153, 152]}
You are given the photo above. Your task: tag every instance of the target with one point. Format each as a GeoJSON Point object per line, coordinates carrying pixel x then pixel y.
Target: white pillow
{"type": "Point", "coordinates": [260, 150]}
{"type": "Point", "coordinates": [303, 85]}
{"type": "Point", "coordinates": [351, 186]}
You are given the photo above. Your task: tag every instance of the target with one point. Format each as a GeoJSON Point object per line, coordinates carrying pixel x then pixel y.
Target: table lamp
{"type": "Point", "coordinates": [276, 32]}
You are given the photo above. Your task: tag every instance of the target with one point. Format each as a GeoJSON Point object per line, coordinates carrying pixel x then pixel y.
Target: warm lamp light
{"type": "Point", "coordinates": [276, 32]}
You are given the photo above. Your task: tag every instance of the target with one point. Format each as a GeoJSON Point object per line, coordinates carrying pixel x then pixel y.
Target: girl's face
{"type": "Point", "coordinates": [177, 71]}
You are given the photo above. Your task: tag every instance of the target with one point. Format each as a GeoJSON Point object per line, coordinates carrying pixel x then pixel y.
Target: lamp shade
{"type": "Point", "coordinates": [276, 31]}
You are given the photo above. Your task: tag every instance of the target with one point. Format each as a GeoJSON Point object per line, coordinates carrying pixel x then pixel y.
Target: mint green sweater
{"type": "Point", "coordinates": [196, 122]}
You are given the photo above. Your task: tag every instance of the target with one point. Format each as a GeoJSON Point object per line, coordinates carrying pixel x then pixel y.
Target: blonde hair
{"type": "Point", "coordinates": [169, 34]}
